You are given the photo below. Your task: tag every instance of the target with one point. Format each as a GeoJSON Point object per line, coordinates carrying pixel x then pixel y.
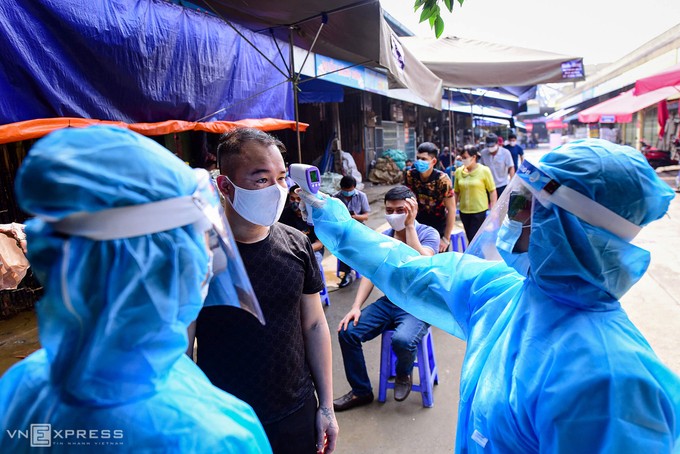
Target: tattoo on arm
{"type": "Point", "coordinates": [327, 412]}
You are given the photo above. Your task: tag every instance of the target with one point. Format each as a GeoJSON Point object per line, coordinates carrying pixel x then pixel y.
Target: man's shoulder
{"type": "Point", "coordinates": [425, 230]}
{"type": "Point", "coordinates": [505, 151]}
{"type": "Point", "coordinates": [438, 174]}
{"type": "Point", "coordinates": [283, 230]}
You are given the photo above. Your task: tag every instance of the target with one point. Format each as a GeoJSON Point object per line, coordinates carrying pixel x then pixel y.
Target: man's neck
{"type": "Point", "coordinates": [401, 235]}
{"type": "Point", "coordinates": [425, 175]}
{"type": "Point", "coordinates": [243, 230]}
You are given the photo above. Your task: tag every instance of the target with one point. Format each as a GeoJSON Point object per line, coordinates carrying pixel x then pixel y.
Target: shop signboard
{"type": "Point", "coordinates": [607, 118]}
{"type": "Point", "coordinates": [573, 69]}
{"type": "Point", "coordinates": [343, 73]}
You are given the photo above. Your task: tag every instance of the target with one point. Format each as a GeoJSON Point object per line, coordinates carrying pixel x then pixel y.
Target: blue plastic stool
{"type": "Point", "coordinates": [325, 299]}
{"type": "Point", "coordinates": [337, 272]}
{"type": "Point", "coordinates": [425, 362]}
{"type": "Point", "coordinates": [458, 241]}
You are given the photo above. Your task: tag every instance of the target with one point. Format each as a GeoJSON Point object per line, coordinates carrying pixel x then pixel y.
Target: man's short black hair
{"type": "Point", "coordinates": [512, 136]}
{"type": "Point", "coordinates": [429, 148]}
{"type": "Point", "coordinates": [491, 139]}
{"type": "Point", "coordinates": [292, 189]}
{"type": "Point", "coordinates": [348, 181]}
{"type": "Point", "coordinates": [231, 144]}
{"type": "Point", "coordinates": [399, 193]}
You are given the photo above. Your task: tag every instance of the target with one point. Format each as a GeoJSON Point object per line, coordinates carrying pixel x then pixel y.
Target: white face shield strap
{"type": "Point", "coordinates": [134, 220]}
{"type": "Point", "coordinates": [548, 191]}
{"type": "Point", "coordinates": [230, 284]}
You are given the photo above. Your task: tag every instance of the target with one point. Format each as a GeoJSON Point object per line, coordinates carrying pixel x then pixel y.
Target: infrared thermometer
{"type": "Point", "coordinates": [306, 176]}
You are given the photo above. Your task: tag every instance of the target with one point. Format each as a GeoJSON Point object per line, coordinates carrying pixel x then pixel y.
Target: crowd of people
{"type": "Point", "coordinates": [182, 312]}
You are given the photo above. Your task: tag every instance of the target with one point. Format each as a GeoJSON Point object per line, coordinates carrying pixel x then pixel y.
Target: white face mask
{"type": "Point", "coordinates": [396, 221]}
{"type": "Point", "coordinates": [259, 206]}
{"type": "Point", "coordinates": [467, 161]}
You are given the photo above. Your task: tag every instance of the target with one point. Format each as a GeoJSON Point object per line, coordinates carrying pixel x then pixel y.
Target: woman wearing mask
{"type": "Point", "coordinates": [474, 190]}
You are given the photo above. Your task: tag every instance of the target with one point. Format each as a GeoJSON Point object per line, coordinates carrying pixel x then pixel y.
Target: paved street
{"type": "Point", "coordinates": [407, 427]}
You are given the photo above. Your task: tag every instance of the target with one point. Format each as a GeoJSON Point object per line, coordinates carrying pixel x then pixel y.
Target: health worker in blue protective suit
{"type": "Point", "coordinates": [127, 241]}
{"type": "Point", "coordinates": [553, 364]}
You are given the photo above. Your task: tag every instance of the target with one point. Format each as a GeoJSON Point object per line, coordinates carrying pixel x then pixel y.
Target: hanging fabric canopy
{"type": "Point", "coordinates": [667, 78]}
{"type": "Point", "coordinates": [33, 129]}
{"type": "Point", "coordinates": [349, 30]}
{"type": "Point", "coordinates": [621, 108]}
{"type": "Point", "coordinates": [133, 61]}
{"type": "Point", "coordinates": [466, 63]}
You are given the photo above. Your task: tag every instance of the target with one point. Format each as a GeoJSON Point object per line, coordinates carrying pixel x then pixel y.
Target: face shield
{"type": "Point", "coordinates": [506, 231]}
{"type": "Point", "coordinates": [229, 284]}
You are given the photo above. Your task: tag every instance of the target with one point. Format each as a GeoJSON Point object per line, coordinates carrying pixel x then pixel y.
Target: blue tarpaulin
{"type": "Point", "coordinates": [134, 61]}
{"type": "Point", "coordinates": [319, 90]}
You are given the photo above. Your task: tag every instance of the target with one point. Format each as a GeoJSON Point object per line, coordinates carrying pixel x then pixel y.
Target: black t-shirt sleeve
{"type": "Point", "coordinates": [313, 281]}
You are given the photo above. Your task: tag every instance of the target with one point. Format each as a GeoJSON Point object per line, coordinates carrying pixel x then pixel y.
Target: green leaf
{"type": "Point", "coordinates": [425, 14]}
{"type": "Point", "coordinates": [418, 4]}
{"type": "Point", "coordinates": [438, 26]}
{"type": "Point", "coordinates": [434, 15]}
{"type": "Point", "coordinates": [461, 2]}
{"type": "Point", "coordinates": [449, 4]}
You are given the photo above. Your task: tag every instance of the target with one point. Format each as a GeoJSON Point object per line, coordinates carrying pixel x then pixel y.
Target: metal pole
{"type": "Point", "coordinates": [294, 83]}
{"type": "Point", "coordinates": [452, 140]}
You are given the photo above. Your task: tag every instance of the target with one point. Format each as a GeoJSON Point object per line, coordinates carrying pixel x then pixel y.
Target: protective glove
{"type": "Point", "coordinates": [323, 207]}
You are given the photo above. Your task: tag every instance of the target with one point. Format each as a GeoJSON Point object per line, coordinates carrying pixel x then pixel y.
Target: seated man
{"type": "Point", "coordinates": [292, 216]}
{"type": "Point", "coordinates": [356, 327]}
{"type": "Point", "coordinates": [357, 204]}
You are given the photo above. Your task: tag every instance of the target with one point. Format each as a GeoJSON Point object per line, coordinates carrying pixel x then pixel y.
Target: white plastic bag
{"type": "Point", "coordinates": [13, 263]}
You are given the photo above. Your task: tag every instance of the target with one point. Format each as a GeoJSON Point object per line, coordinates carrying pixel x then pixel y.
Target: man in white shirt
{"type": "Point", "coordinates": [499, 160]}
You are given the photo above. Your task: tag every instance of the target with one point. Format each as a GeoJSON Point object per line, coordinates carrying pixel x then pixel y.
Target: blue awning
{"type": "Point", "coordinates": [319, 90]}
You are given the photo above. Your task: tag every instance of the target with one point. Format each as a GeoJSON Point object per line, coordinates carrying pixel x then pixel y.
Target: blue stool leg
{"type": "Point", "coordinates": [425, 362]}
{"type": "Point", "coordinates": [433, 364]}
{"type": "Point", "coordinates": [458, 243]}
{"type": "Point", "coordinates": [323, 294]}
{"type": "Point", "coordinates": [385, 366]}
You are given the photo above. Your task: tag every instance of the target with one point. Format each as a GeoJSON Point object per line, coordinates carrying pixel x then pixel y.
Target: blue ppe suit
{"type": "Point", "coordinates": [553, 364]}
{"type": "Point", "coordinates": [113, 320]}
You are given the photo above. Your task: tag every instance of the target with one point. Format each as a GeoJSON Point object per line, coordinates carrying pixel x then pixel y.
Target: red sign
{"type": "Point", "coordinates": [555, 124]}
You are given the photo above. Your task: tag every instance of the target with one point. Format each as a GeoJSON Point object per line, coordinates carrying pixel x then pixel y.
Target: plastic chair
{"type": "Point", "coordinates": [425, 362]}
{"type": "Point", "coordinates": [458, 241]}
{"type": "Point", "coordinates": [337, 272]}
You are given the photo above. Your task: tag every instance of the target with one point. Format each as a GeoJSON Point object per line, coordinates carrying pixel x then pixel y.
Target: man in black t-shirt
{"type": "Point", "coordinates": [276, 367]}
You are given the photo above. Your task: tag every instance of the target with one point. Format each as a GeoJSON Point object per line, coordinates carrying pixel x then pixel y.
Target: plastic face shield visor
{"type": "Point", "coordinates": [514, 209]}
{"type": "Point", "coordinates": [229, 285]}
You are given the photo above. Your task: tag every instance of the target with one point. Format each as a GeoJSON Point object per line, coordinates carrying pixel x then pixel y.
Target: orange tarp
{"type": "Point", "coordinates": [33, 129]}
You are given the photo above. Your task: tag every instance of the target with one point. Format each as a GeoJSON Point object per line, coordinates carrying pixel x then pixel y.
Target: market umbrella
{"type": "Point", "coordinates": [621, 108]}
{"type": "Point", "coordinates": [349, 30]}
{"type": "Point", "coordinates": [470, 63]}
{"type": "Point", "coordinates": [667, 78]}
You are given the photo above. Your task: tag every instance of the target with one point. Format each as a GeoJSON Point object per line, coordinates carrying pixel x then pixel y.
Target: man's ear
{"type": "Point", "coordinates": [223, 185]}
